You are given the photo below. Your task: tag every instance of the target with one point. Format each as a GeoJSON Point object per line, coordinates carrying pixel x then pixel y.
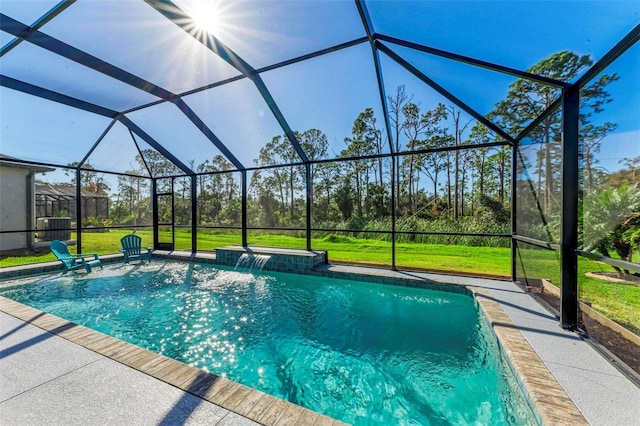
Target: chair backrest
{"type": "Point", "coordinates": [131, 243]}
{"type": "Point", "coordinates": [60, 249]}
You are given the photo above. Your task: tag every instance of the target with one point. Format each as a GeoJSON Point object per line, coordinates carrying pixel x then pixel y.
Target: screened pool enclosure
{"type": "Point", "coordinates": [485, 138]}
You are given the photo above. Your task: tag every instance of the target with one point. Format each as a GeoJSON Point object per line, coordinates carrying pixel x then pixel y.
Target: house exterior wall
{"type": "Point", "coordinates": [13, 207]}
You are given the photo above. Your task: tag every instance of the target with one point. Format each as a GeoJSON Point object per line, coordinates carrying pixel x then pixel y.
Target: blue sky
{"type": "Point", "coordinates": [327, 92]}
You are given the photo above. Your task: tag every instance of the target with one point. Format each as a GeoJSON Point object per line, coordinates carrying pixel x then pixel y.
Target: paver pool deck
{"type": "Point", "coordinates": [56, 372]}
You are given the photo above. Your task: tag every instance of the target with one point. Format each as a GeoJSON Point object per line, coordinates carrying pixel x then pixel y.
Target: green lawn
{"type": "Point", "coordinates": [619, 302]}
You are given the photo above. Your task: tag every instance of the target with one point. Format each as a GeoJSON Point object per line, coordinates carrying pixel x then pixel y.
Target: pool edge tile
{"type": "Point", "coordinates": [237, 398]}
{"type": "Point", "coordinates": [261, 407]}
{"type": "Point", "coordinates": [323, 420]}
{"type": "Point", "coordinates": [253, 398]}
{"type": "Point", "coordinates": [271, 416]}
{"type": "Point", "coordinates": [220, 394]}
{"type": "Point", "coordinates": [290, 416]}
{"type": "Point", "coordinates": [530, 371]}
{"type": "Point", "coordinates": [307, 418]}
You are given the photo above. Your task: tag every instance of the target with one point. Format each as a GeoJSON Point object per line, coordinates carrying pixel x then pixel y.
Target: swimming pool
{"type": "Point", "coordinates": [363, 353]}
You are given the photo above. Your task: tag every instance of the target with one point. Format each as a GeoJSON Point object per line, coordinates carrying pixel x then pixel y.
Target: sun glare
{"type": "Point", "coordinates": [217, 18]}
{"type": "Point", "coordinates": [207, 17]}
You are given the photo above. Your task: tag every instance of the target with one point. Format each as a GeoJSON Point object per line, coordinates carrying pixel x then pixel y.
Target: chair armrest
{"type": "Point", "coordinates": [95, 255]}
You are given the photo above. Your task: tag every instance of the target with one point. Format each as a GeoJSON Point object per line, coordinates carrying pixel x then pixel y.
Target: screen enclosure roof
{"type": "Point", "coordinates": [112, 85]}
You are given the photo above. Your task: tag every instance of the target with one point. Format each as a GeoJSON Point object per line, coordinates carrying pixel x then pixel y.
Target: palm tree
{"type": "Point", "coordinates": [608, 220]}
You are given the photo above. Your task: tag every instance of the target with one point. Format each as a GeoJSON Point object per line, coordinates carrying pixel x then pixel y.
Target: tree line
{"type": "Point", "coordinates": [440, 173]}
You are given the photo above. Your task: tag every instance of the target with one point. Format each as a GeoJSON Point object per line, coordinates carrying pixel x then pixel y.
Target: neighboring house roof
{"type": "Point", "coordinates": [8, 161]}
{"type": "Point", "coordinates": [64, 191]}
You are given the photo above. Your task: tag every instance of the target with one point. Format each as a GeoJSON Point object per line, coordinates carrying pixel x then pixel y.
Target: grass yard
{"type": "Point", "coordinates": [617, 301]}
{"type": "Point", "coordinates": [620, 302]}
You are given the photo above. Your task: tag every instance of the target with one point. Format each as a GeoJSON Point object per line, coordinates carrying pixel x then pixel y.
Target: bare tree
{"type": "Point", "coordinates": [396, 105]}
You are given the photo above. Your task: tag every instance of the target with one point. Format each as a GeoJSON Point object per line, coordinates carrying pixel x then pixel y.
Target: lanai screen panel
{"type": "Point", "coordinates": [5, 38]}
{"type": "Point", "coordinates": [610, 160]}
{"type": "Point", "coordinates": [45, 69]}
{"type": "Point", "coordinates": [353, 195]}
{"type": "Point", "coordinates": [219, 198]}
{"type": "Point", "coordinates": [535, 265]}
{"type": "Point", "coordinates": [328, 93]}
{"type": "Point", "coordinates": [492, 94]}
{"type": "Point", "coordinates": [26, 12]}
{"type": "Point", "coordinates": [176, 133]}
{"type": "Point", "coordinates": [422, 118]}
{"type": "Point", "coordinates": [130, 200]}
{"type": "Point", "coordinates": [239, 117]}
{"type": "Point", "coordinates": [277, 198]}
{"type": "Point", "coordinates": [539, 183]}
{"type": "Point", "coordinates": [498, 31]}
{"type": "Point", "coordinates": [135, 37]}
{"type": "Point", "coordinates": [182, 208]}
{"type": "Point", "coordinates": [478, 87]}
{"type": "Point", "coordinates": [268, 33]}
{"type": "Point", "coordinates": [36, 129]}
{"type": "Point", "coordinates": [118, 152]}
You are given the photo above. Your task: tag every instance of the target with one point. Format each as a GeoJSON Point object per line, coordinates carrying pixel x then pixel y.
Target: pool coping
{"type": "Point", "coordinates": [547, 398]}
{"type": "Point", "coordinates": [549, 401]}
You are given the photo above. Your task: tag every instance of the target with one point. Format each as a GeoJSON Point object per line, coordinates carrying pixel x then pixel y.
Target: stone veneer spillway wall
{"type": "Point", "coordinates": [281, 260]}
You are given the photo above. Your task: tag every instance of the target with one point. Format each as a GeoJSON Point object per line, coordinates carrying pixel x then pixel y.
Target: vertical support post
{"type": "Point", "coordinates": [514, 207]}
{"type": "Point", "coordinates": [154, 208]}
{"type": "Point", "coordinates": [194, 214]}
{"type": "Point", "coordinates": [570, 191]}
{"type": "Point", "coordinates": [394, 160]}
{"type": "Point", "coordinates": [307, 167]}
{"type": "Point", "coordinates": [78, 211]}
{"type": "Point", "coordinates": [31, 208]}
{"type": "Point", "coordinates": [244, 208]}
{"type": "Point", "coordinates": [173, 215]}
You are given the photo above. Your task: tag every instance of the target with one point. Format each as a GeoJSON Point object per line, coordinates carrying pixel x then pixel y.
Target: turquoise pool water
{"type": "Point", "coordinates": [360, 352]}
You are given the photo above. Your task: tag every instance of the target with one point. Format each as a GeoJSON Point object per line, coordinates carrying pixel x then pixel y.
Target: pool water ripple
{"type": "Point", "coordinates": [359, 352]}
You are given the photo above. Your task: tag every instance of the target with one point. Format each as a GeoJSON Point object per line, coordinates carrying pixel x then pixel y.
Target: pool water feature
{"type": "Point", "coordinates": [252, 261]}
{"type": "Point", "coordinates": [359, 352]}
